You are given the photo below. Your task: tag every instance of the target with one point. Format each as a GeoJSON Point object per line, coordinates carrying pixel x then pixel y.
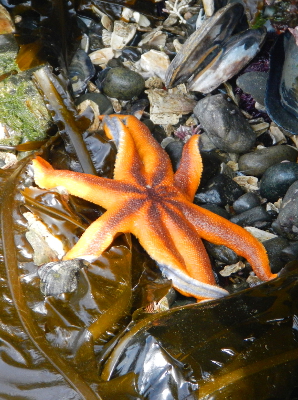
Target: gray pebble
{"type": "Point", "coordinates": [274, 248]}
{"type": "Point", "coordinates": [287, 220]}
{"type": "Point", "coordinates": [246, 202]}
{"type": "Point", "coordinates": [254, 83]}
{"type": "Point", "coordinates": [257, 217]}
{"type": "Point", "coordinates": [257, 162]}
{"type": "Point", "coordinates": [277, 179]}
{"type": "Point", "coordinates": [123, 84]}
{"type": "Point", "coordinates": [224, 124]}
{"type": "Point", "coordinates": [220, 190]}
{"type": "Point", "coordinates": [104, 104]}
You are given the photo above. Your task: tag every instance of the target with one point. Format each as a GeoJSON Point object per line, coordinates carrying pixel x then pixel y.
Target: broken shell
{"type": "Point", "coordinates": [155, 63]}
{"type": "Point", "coordinates": [204, 44]}
{"type": "Point", "coordinates": [210, 56]}
{"type": "Point", "coordinates": [59, 277]}
{"type": "Point", "coordinates": [238, 52]}
{"type": "Point", "coordinates": [122, 34]}
{"type": "Point", "coordinates": [101, 57]}
{"type": "Point", "coordinates": [281, 98]}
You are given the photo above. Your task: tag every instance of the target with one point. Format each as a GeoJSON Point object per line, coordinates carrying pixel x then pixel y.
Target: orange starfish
{"type": "Point", "coordinates": [147, 199]}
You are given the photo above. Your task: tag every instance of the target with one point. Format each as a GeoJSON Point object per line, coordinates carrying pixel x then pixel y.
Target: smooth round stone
{"type": "Point", "coordinates": [274, 248]}
{"type": "Point", "coordinates": [257, 217]}
{"type": "Point", "coordinates": [254, 83]}
{"type": "Point", "coordinates": [215, 209]}
{"type": "Point", "coordinates": [174, 150]}
{"type": "Point", "coordinates": [246, 202]}
{"type": "Point", "coordinates": [123, 84]}
{"type": "Point", "coordinates": [221, 190]}
{"type": "Point", "coordinates": [277, 179]}
{"type": "Point", "coordinates": [104, 104]}
{"type": "Point", "coordinates": [290, 253]}
{"type": "Point", "coordinates": [221, 253]}
{"type": "Point", "coordinates": [259, 161]}
{"type": "Point", "coordinates": [287, 220]}
{"type": "Point", "coordinates": [224, 124]}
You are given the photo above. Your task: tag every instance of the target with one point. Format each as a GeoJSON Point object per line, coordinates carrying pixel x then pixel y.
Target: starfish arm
{"type": "Point", "coordinates": [127, 153]}
{"type": "Point", "coordinates": [187, 177]}
{"type": "Point", "coordinates": [218, 230]}
{"type": "Point", "coordinates": [157, 240]}
{"type": "Point", "coordinates": [102, 191]}
{"type": "Point", "coordinates": [100, 234]}
{"type": "Point", "coordinates": [190, 245]}
{"type": "Point", "coordinates": [157, 164]}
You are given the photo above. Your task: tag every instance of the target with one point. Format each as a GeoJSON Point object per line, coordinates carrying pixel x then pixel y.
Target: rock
{"type": "Point", "coordinates": [256, 216]}
{"type": "Point", "coordinates": [246, 202]}
{"type": "Point", "coordinates": [123, 84]}
{"type": "Point", "coordinates": [257, 162]}
{"type": "Point", "coordinates": [174, 150]}
{"type": "Point", "coordinates": [216, 210]}
{"type": "Point", "coordinates": [224, 124]}
{"type": "Point", "coordinates": [277, 179]}
{"type": "Point", "coordinates": [103, 103]}
{"type": "Point", "coordinates": [287, 220]}
{"type": "Point", "coordinates": [221, 253]}
{"type": "Point", "coordinates": [254, 83]}
{"type": "Point", "coordinates": [274, 248]}
{"type": "Point", "coordinates": [221, 190]}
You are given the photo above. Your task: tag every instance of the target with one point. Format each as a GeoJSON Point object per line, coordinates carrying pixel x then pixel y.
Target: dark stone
{"type": "Point", "coordinates": [257, 217]}
{"type": "Point", "coordinates": [224, 124]}
{"type": "Point", "coordinates": [290, 253]}
{"type": "Point", "coordinates": [130, 53]}
{"type": "Point", "coordinates": [254, 83]}
{"type": "Point", "coordinates": [221, 253]}
{"type": "Point", "coordinates": [257, 162]}
{"type": "Point", "coordinates": [123, 84]}
{"type": "Point", "coordinates": [104, 104]}
{"type": "Point", "coordinates": [215, 209]}
{"type": "Point", "coordinates": [221, 190]}
{"type": "Point", "coordinates": [274, 248]}
{"type": "Point", "coordinates": [246, 202]}
{"type": "Point", "coordinates": [277, 180]}
{"type": "Point", "coordinates": [287, 220]}
{"type": "Point", "coordinates": [174, 150]}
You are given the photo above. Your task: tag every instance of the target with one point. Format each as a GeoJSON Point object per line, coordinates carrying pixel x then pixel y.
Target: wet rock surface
{"type": "Point", "coordinates": [246, 202]}
{"type": "Point", "coordinates": [220, 190]}
{"type": "Point", "coordinates": [254, 83]}
{"type": "Point", "coordinates": [256, 216]}
{"type": "Point", "coordinates": [225, 126]}
{"type": "Point", "coordinates": [277, 180]}
{"type": "Point", "coordinates": [257, 162]}
{"type": "Point", "coordinates": [123, 84]}
{"type": "Point", "coordinates": [287, 220]}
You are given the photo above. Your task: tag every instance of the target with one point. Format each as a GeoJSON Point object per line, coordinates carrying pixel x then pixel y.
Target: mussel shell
{"type": "Point", "coordinates": [281, 98]}
{"type": "Point", "coordinates": [204, 45]}
{"type": "Point", "coordinates": [81, 70]}
{"type": "Point", "coordinates": [59, 277]}
{"type": "Point", "coordinates": [236, 53]}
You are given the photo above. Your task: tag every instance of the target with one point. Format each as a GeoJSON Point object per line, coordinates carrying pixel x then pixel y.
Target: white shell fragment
{"type": "Point", "coordinates": [259, 234]}
{"type": "Point", "coordinates": [46, 246]}
{"type": "Point", "coordinates": [59, 277]}
{"type": "Point", "coordinates": [122, 34]}
{"type": "Point", "coordinates": [156, 38]}
{"type": "Point", "coordinates": [232, 268]}
{"type": "Point", "coordinates": [155, 63]}
{"type": "Point", "coordinates": [167, 107]}
{"type": "Point", "coordinates": [101, 57]}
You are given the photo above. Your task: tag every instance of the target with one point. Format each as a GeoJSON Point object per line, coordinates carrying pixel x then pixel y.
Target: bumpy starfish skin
{"type": "Point", "coordinates": [147, 199]}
